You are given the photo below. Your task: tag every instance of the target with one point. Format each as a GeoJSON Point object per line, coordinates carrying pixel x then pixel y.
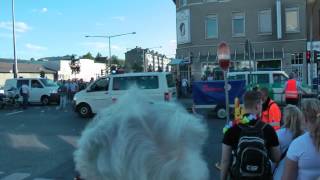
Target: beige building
{"type": "Point", "coordinates": [25, 70]}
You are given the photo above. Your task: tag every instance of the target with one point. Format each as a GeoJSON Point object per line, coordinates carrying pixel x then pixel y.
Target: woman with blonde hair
{"type": "Point", "coordinates": [292, 128]}
{"type": "Point", "coordinates": [303, 156]}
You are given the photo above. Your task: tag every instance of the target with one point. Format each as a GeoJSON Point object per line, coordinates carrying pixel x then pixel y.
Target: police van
{"type": "Point", "coordinates": [158, 86]}
{"type": "Point", "coordinates": [273, 80]}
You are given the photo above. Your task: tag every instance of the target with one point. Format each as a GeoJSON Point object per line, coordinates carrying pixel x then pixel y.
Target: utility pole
{"type": "Point", "coordinates": [15, 64]}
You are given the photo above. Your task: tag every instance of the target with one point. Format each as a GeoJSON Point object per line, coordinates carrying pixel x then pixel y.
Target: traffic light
{"type": "Point", "coordinates": [316, 56]}
{"type": "Point", "coordinates": [308, 56]}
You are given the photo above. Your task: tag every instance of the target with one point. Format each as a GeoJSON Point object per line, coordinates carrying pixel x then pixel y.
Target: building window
{"type": "Point", "coordinates": [183, 3]}
{"type": "Point", "coordinates": [292, 20]}
{"type": "Point", "coordinates": [265, 21]}
{"type": "Point", "coordinates": [211, 26]}
{"type": "Point", "coordinates": [238, 24]}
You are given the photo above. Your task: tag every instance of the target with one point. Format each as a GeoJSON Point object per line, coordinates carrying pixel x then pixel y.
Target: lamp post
{"type": "Point", "coordinates": [109, 39]}
{"type": "Point", "coordinates": [143, 57]}
{"type": "Point", "coordinates": [312, 6]}
{"type": "Point", "coordinates": [15, 64]}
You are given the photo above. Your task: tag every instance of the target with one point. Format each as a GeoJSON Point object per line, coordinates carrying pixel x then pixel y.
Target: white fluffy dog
{"type": "Point", "coordinates": [138, 140]}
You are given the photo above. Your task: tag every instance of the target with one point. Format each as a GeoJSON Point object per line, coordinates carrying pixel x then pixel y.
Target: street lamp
{"type": "Point", "coordinates": [145, 65]}
{"type": "Point", "coordinates": [312, 5]}
{"type": "Point", "coordinates": [15, 64]}
{"type": "Point", "coordinates": [109, 38]}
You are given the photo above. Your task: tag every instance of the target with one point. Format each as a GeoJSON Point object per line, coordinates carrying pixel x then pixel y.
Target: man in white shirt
{"type": "Point", "coordinates": [24, 92]}
{"type": "Point", "coordinates": [184, 84]}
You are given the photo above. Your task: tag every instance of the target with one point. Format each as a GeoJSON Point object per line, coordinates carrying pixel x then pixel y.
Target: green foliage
{"type": "Point", "coordinates": [88, 56]}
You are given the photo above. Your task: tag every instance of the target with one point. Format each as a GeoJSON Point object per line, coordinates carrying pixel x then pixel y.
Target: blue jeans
{"type": "Point", "coordinates": [63, 101]}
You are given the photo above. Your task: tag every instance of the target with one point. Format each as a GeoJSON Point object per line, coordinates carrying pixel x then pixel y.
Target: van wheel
{"type": "Point", "coordinates": [84, 110]}
{"type": "Point", "coordinates": [221, 112]}
{"type": "Point", "coordinates": [44, 100]}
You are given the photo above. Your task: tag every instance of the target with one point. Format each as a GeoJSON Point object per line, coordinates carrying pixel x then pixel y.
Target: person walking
{"type": "Point", "coordinates": [250, 145]}
{"type": "Point", "coordinates": [25, 92]}
{"type": "Point", "coordinates": [292, 89]}
{"type": "Point", "coordinates": [63, 90]}
{"type": "Point", "coordinates": [271, 113]}
{"type": "Point", "coordinates": [292, 128]}
{"type": "Point", "coordinates": [303, 156]}
{"type": "Point", "coordinates": [184, 85]}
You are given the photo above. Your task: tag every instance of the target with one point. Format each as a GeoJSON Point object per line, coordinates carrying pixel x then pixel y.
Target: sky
{"type": "Point", "coordinates": [46, 28]}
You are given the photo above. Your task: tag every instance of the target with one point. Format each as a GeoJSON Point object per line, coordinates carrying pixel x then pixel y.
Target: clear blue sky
{"type": "Point", "coordinates": [57, 27]}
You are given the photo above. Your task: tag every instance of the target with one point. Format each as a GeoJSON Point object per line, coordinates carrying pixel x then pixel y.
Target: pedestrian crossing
{"type": "Point", "coordinates": [20, 176]}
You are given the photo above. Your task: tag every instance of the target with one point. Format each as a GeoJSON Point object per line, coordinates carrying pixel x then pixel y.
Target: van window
{"type": "Point", "coordinates": [259, 78]}
{"type": "Point", "coordinates": [142, 82]}
{"type": "Point", "coordinates": [36, 84]}
{"type": "Point", "coordinates": [100, 85]}
{"type": "Point", "coordinates": [21, 82]}
{"type": "Point", "coordinates": [48, 82]}
{"type": "Point", "coordinates": [279, 78]}
{"type": "Point", "coordinates": [170, 80]}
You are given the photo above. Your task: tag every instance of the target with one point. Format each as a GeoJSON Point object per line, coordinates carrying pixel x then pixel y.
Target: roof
{"type": "Point", "coordinates": [24, 68]}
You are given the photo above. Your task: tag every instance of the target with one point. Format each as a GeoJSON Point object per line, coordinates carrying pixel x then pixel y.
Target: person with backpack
{"type": "Point", "coordinates": [249, 146]}
{"type": "Point", "coordinates": [271, 113]}
{"type": "Point", "coordinates": [303, 156]}
{"type": "Point", "coordinates": [292, 128]}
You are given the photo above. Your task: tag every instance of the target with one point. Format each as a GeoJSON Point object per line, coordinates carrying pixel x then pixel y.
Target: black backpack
{"type": "Point", "coordinates": [251, 160]}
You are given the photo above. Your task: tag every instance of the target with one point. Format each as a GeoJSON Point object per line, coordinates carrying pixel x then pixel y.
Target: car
{"type": "Point", "coordinates": [42, 90]}
{"type": "Point", "coordinates": [105, 91]}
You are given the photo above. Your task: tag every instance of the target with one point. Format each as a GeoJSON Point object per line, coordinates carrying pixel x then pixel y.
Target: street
{"type": "Point", "coordinates": [38, 143]}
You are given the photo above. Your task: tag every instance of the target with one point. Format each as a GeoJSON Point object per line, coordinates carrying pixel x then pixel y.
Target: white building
{"type": "Point", "coordinates": [88, 69]}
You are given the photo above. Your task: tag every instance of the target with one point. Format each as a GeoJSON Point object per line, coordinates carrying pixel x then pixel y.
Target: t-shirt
{"type": "Point", "coordinates": [25, 89]}
{"type": "Point", "coordinates": [303, 151]}
{"type": "Point", "coordinates": [232, 136]}
{"type": "Point", "coordinates": [285, 138]}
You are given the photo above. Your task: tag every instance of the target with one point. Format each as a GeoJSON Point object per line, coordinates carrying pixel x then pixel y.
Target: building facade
{"type": "Point", "coordinates": [139, 60]}
{"type": "Point", "coordinates": [262, 34]}
{"type": "Point", "coordinates": [88, 69]}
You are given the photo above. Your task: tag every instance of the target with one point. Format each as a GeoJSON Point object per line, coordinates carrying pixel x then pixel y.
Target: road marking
{"type": "Point", "coordinates": [16, 176]}
{"type": "Point", "coordinates": [17, 112]}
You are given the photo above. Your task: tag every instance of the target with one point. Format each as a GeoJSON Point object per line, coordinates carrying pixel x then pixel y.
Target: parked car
{"type": "Point", "coordinates": [159, 86]}
{"type": "Point", "coordinates": [41, 90]}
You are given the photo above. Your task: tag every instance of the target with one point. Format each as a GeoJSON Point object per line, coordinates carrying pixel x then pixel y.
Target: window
{"type": "Point", "coordinates": [211, 26]}
{"type": "Point", "coordinates": [21, 82]}
{"type": "Point", "coordinates": [170, 81]}
{"type": "Point", "coordinates": [265, 21]}
{"type": "Point", "coordinates": [100, 85]}
{"type": "Point", "coordinates": [259, 78]}
{"type": "Point", "coordinates": [36, 84]}
{"type": "Point", "coordinates": [279, 78]}
{"type": "Point", "coordinates": [142, 82]}
{"type": "Point", "coordinates": [48, 82]}
{"type": "Point", "coordinates": [183, 3]}
{"type": "Point", "coordinates": [238, 24]}
{"type": "Point", "coordinates": [292, 20]}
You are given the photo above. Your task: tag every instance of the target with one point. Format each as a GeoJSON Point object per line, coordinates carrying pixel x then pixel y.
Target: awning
{"type": "Point", "coordinates": [178, 62]}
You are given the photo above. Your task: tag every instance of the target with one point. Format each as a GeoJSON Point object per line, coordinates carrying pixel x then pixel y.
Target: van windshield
{"type": "Point", "coordinates": [48, 83]}
{"type": "Point", "coordinates": [142, 82]}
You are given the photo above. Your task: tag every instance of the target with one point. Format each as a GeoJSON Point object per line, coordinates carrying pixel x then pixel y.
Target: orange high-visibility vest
{"type": "Point", "coordinates": [291, 90]}
{"type": "Point", "coordinates": [272, 115]}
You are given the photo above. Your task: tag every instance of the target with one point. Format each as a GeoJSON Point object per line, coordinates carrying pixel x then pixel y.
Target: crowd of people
{"type": "Point", "coordinates": [257, 147]}
{"type": "Point", "coordinates": [67, 89]}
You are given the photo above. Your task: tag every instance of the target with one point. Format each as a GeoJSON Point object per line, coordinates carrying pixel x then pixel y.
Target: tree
{"type": "Point", "coordinates": [32, 59]}
{"type": "Point", "coordinates": [88, 56]}
{"type": "Point", "coordinates": [98, 56]}
{"type": "Point", "coordinates": [42, 74]}
{"type": "Point", "coordinates": [137, 68]}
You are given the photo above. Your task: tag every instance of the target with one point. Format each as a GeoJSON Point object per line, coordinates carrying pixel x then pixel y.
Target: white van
{"type": "Point", "coordinates": [41, 90]}
{"type": "Point", "coordinates": [274, 80]}
{"type": "Point", "coordinates": [160, 86]}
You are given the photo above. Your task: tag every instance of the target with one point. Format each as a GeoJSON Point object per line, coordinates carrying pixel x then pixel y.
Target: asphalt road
{"type": "Point", "coordinates": [38, 143]}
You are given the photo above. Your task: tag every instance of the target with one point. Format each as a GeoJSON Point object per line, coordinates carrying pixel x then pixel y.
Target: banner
{"type": "Point", "coordinates": [212, 92]}
{"type": "Point", "coordinates": [183, 26]}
